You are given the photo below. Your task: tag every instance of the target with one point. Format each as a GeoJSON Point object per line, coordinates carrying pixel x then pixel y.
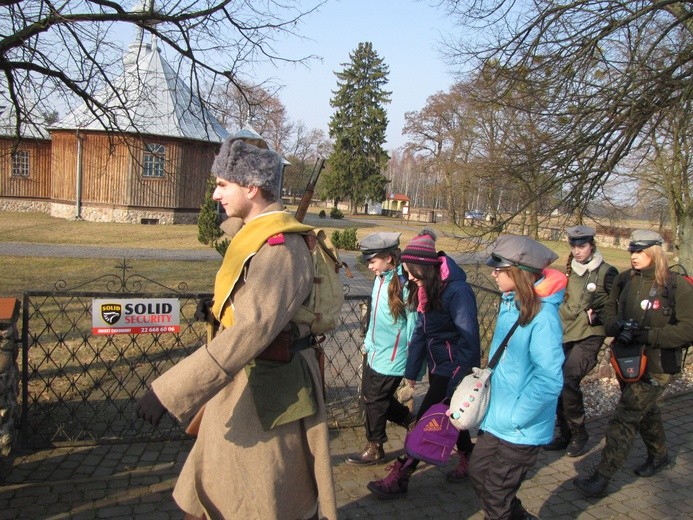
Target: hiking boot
{"type": "Point", "coordinates": [523, 514]}
{"type": "Point", "coordinates": [593, 486]}
{"type": "Point", "coordinates": [395, 484]}
{"type": "Point", "coordinates": [460, 472]}
{"type": "Point", "coordinates": [520, 513]}
{"type": "Point", "coordinates": [526, 516]}
{"type": "Point", "coordinates": [373, 453]}
{"type": "Point", "coordinates": [578, 440]}
{"type": "Point", "coordinates": [652, 465]}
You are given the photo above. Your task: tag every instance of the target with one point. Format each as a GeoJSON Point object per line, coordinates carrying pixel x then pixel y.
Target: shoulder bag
{"type": "Point", "coordinates": [471, 397]}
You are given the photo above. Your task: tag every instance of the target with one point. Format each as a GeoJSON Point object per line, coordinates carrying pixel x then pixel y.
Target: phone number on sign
{"type": "Point", "coordinates": [155, 329]}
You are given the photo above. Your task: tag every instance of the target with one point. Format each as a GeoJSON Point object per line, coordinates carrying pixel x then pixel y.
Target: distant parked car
{"type": "Point", "coordinates": [475, 214]}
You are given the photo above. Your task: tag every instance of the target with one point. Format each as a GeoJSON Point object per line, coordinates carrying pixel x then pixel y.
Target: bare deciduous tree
{"type": "Point", "coordinates": [614, 71]}
{"type": "Point", "coordinates": [65, 54]}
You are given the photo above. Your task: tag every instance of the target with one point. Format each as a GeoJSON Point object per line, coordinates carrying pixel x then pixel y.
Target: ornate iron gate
{"type": "Point", "coordinates": [81, 388]}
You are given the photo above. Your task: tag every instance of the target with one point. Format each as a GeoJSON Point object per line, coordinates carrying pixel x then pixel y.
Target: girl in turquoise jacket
{"type": "Point", "coordinates": [527, 381]}
{"type": "Point", "coordinates": [386, 345]}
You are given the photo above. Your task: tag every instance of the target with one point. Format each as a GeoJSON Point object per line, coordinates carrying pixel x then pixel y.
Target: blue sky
{"type": "Point", "coordinates": [405, 33]}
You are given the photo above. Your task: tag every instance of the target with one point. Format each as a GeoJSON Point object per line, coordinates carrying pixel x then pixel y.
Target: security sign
{"type": "Point", "coordinates": [135, 316]}
{"type": "Point", "coordinates": [110, 312]}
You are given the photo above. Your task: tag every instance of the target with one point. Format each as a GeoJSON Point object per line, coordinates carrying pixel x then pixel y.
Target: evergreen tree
{"type": "Point", "coordinates": [358, 129]}
{"type": "Point", "coordinates": [208, 231]}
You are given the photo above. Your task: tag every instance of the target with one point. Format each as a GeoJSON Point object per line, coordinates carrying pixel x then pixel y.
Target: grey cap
{"type": "Point", "coordinates": [643, 238]}
{"type": "Point", "coordinates": [248, 165]}
{"type": "Point", "coordinates": [522, 252]}
{"type": "Point", "coordinates": [376, 243]}
{"type": "Point", "coordinates": [578, 235]}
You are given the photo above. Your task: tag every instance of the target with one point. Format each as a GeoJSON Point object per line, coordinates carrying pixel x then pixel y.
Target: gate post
{"type": "Point", "coordinates": [9, 381]}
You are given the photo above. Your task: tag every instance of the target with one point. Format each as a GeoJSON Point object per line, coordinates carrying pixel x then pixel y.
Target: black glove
{"type": "Point", "coordinates": [614, 328]}
{"type": "Point", "coordinates": [640, 337]}
{"type": "Point", "coordinates": [150, 408]}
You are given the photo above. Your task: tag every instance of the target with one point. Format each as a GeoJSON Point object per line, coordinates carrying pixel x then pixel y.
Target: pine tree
{"type": "Point", "coordinates": [358, 127]}
{"type": "Point", "coordinates": [208, 220]}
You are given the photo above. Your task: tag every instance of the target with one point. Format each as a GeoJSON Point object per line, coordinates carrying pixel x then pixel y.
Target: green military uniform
{"type": "Point", "coordinates": [580, 297]}
{"type": "Point", "coordinates": [637, 409]}
{"type": "Point", "coordinates": [589, 284]}
{"type": "Point", "coordinates": [583, 335]}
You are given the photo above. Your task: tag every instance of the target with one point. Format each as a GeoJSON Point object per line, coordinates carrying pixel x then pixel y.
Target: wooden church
{"type": "Point", "coordinates": [147, 161]}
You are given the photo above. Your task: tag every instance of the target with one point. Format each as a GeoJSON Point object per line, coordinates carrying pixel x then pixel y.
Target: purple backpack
{"type": "Point", "coordinates": [433, 437]}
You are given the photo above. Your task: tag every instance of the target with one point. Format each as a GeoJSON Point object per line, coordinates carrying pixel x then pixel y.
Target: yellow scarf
{"type": "Point", "coordinates": [242, 248]}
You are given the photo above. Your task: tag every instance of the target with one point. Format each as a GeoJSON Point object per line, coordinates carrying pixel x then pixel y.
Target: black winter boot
{"type": "Point", "coordinates": [373, 453]}
{"type": "Point", "coordinates": [593, 486]}
{"type": "Point", "coordinates": [578, 440]}
{"type": "Point", "coordinates": [652, 465]}
{"type": "Point", "coordinates": [519, 512]}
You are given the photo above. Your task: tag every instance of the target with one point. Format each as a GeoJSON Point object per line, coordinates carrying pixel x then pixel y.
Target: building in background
{"type": "Point", "coordinates": [146, 160]}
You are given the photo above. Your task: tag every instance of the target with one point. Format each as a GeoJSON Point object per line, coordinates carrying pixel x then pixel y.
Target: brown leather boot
{"type": "Point", "coordinates": [373, 453]}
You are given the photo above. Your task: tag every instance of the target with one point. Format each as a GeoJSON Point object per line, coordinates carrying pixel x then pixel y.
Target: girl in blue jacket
{"type": "Point", "coordinates": [527, 381]}
{"type": "Point", "coordinates": [446, 337]}
{"type": "Point", "coordinates": [386, 345]}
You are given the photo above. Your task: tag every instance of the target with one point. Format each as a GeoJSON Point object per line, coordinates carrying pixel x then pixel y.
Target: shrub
{"type": "Point", "coordinates": [221, 246]}
{"type": "Point", "coordinates": [345, 239]}
{"type": "Point", "coordinates": [322, 213]}
{"type": "Point", "coordinates": [208, 231]}
{"type": "Point", "coordinates": [336, 213]}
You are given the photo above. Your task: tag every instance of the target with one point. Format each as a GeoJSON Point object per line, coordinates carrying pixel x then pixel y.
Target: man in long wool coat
{"type": "Point", "coordinates": [262, 449]}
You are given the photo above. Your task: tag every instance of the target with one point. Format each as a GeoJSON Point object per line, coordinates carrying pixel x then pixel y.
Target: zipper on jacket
{"type": "Point", "coordinates": [375, 310]}
{"type": "Point", "coordinates": [394, 350]}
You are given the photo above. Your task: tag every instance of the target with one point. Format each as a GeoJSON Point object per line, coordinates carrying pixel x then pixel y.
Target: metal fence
{"type": "Point", "coordinates": [80, 388]}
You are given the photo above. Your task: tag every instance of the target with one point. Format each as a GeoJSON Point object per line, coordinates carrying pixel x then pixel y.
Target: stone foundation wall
{"type": "Point", "coordinates": [101, 213]}
{"type": "Point", "coordinates": [24, 205]}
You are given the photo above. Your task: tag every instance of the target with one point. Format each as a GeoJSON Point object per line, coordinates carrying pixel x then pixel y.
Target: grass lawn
{"type": "Point", "coordinates": [38, 273]}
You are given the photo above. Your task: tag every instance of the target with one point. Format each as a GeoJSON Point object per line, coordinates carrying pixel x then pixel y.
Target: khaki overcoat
{"type": "Point", "coordinates": [237, 470]}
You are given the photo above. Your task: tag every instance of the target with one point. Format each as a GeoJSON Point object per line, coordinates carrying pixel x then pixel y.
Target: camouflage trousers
{"type": "Point", "coordinates": [637, 412]}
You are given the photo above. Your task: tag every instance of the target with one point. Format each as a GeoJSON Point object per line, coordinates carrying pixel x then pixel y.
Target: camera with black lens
{"type": "Point", "coordinates": [628, 329]}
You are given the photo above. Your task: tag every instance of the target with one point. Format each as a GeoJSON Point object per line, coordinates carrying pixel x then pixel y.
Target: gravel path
{"type": "Point", "coordinates": [602, 394]}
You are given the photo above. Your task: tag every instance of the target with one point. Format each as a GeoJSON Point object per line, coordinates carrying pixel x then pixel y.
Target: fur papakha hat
{"type": "Point", "coordinates": [248, 165]}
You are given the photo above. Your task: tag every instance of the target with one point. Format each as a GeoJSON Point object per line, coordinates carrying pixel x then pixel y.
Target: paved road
{"type": "Point", "coordinates": [72, 251]}
{"type": "Point", "coordinates": [135, 481]}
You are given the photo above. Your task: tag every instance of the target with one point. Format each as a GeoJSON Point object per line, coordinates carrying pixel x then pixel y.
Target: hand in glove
{"type": "Point", "coordinates": [150, 408]}
{"type": "Point", "coordinates": [640, 337]}
{"type": "Point", "coordinates": [614, 328]}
